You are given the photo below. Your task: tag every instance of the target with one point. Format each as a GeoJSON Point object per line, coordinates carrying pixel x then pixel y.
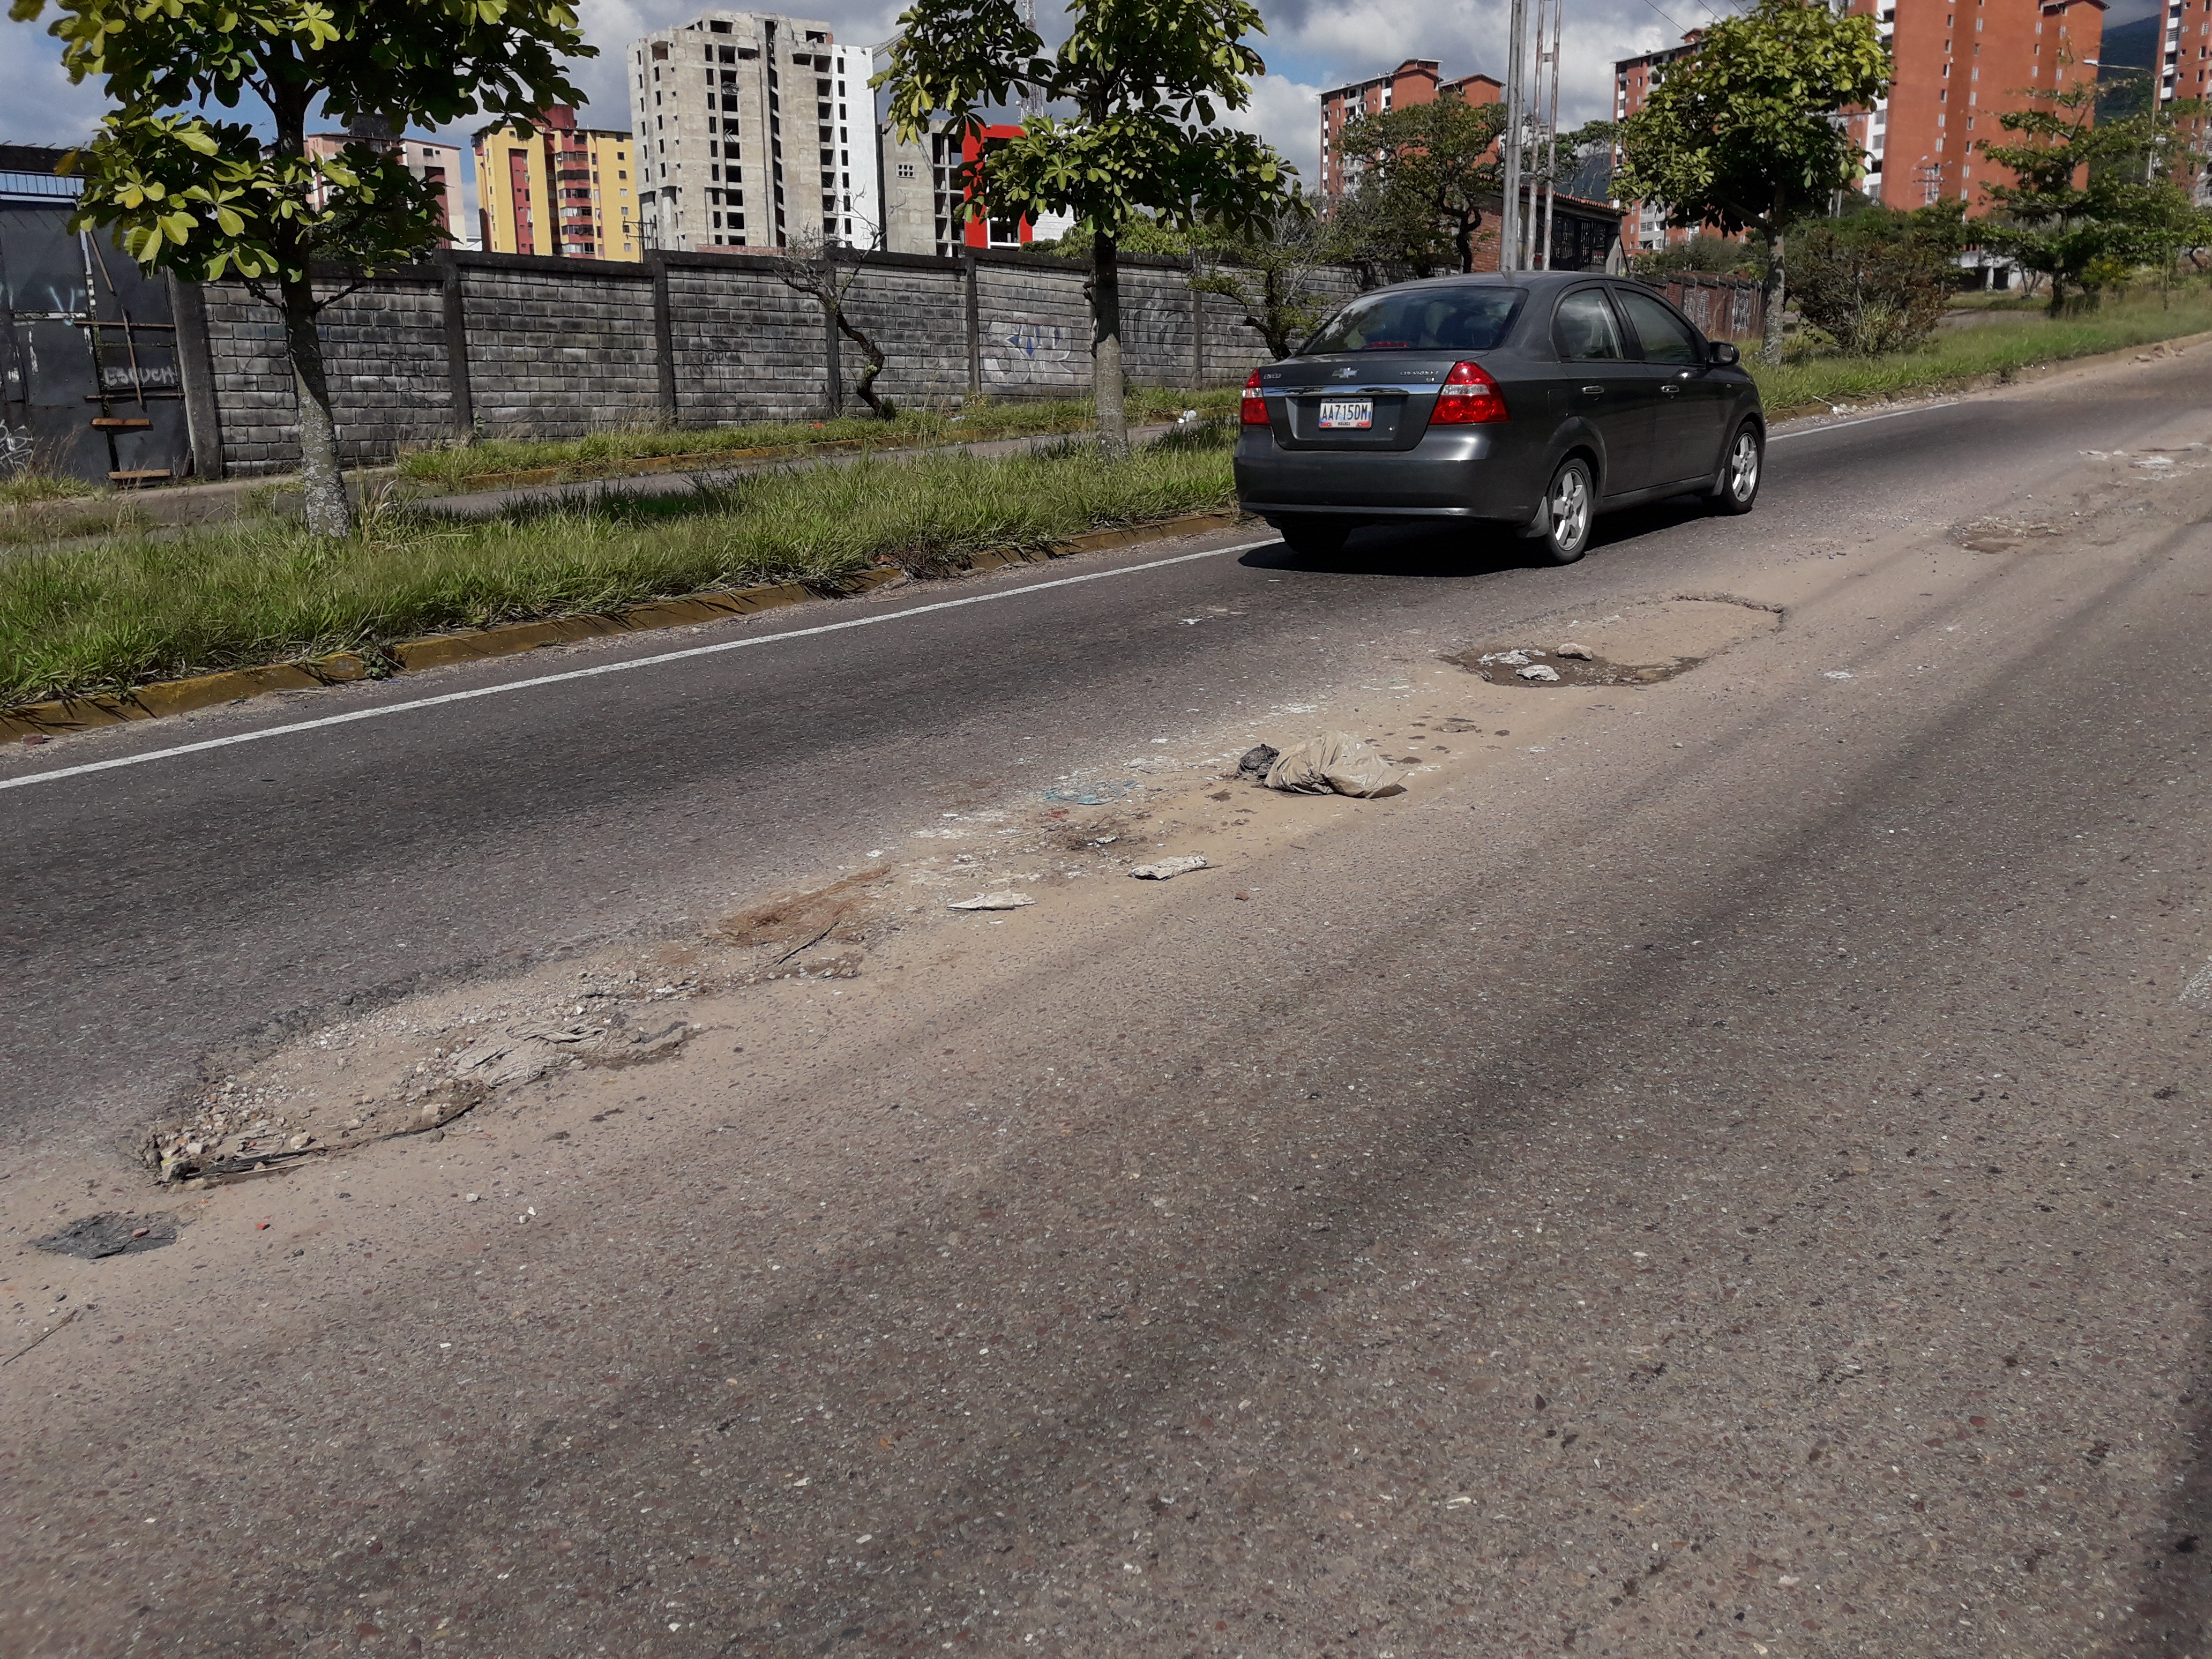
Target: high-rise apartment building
{"type": "Point", "coordinates": [1643, 227]}
{"type": "Point", "coordinates": [1960, 64]}
{"type": "Point", "coordinates": [437, 165]}
{"type": "Point", "coordinates": [554, 188]}
{"type": "Point", "coordinates": [1416, 80]}
{"type": "Point", "coordinates": [755, 132]}
{"type": "Point", "coordinates": [2184, 51]}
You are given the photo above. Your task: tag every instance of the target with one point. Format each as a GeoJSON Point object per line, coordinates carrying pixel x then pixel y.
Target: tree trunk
{"type": "Point", "coordinates": [1106, 347]}
{"type": "Point", "coordinates": [872, 355]}
{"type": "Point", "coordinates": [322, 481]}
{"type": "Point", "coordinates": [1774, 291]}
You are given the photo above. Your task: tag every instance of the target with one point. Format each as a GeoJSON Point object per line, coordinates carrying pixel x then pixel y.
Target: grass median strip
{"type": "Point", "coordinates": [134, 610]}
{"type": "Point", "coordinates": [608, 455]}
{"type": "Point", "coordinates": [1960, 355]}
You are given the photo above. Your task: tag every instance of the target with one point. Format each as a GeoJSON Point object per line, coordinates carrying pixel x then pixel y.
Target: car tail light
{"type": "Point", "coordinates": [1469, 398]}
{"type": "Point", "coordinates": [1255, 403]}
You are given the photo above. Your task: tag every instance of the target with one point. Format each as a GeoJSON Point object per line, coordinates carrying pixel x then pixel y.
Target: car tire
{"type": "Point", "coordinates": [1743, 467]}
{"type": "Point", "coordinates": [1313, 538]}
{"type": "Point", "coordinates": [1569, 506]}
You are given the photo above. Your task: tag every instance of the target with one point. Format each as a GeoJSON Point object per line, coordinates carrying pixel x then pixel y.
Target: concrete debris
{"type": "Point", "coordinates": [2197, 992]}
{"type": "Point", "coordinates": [92, 1237]}
{"type": "Point", "coordinates": [1513, 659]}
{"type": "Point", "coordinates": [1005, 899]}
{"type": "Point", "coordinates": [1581, 652]}
{"type": "Point", "coordinates": [1334, 761]}
{"type": "Point", "coordinates": [1168, 869]}
{"type": "Point", "coordinates": [1255, 762]}
{"type": "Point", "coordinates": [1536, 670]}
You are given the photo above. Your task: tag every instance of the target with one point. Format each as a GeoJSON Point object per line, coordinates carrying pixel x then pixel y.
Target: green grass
{"type": "Point", "coordinates": [1994, 348]}
{"type": "Point", "coordinates": [133, 610]}
{"type": "Point", "coordinates": [605, 454]}
{"type": "Point", "coordinates": [23, 488]}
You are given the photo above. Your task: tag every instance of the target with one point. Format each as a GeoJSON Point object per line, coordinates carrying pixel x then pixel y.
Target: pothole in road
{"type": "Point", "coordinates": [1640, 644]}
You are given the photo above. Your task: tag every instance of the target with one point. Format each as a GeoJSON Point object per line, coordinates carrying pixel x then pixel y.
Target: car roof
{"type": "Point", "coordinates": [1505, 279]}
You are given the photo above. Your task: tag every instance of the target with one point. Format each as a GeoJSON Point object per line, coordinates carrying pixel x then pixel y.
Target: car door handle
{"type": "Point", "coordinates": [1669, 391]}
{"type": "Point", "coordinates": [1593, 391]}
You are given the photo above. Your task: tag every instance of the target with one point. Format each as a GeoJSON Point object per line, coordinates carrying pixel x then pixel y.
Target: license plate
{"type": "Point", "coordinates": [1347, 414]}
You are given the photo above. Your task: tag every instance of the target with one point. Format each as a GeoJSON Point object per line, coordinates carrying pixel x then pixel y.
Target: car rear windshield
{"type": "Point", "coordinates": [1421, 320]}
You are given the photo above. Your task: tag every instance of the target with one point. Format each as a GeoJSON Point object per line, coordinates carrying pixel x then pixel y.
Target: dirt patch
{"type": "Point", "coordinates": [2001, 535]}
{"type": "Point", "coordinates": [836, 911]}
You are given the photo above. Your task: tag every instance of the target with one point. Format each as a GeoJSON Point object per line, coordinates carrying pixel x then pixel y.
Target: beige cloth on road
{"type": "Point", "coordinates": [1334, 761]}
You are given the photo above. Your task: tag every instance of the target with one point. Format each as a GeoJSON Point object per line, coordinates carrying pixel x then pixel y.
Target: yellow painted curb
{"type": "Point", "coordinates": [511, 639]}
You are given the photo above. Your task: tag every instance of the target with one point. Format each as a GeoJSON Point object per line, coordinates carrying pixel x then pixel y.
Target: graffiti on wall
{"type": "Point", "coordinates": [1024, 353]}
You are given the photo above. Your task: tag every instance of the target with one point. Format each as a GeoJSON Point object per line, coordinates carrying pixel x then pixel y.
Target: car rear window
{"type": "Point", "coordinates": [1421, 319]}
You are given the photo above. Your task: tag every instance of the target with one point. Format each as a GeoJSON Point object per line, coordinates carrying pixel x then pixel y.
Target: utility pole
{"type": "Point", "coordinates": [1548, 132]}
{"type": "Point", "coordinates": [1033, 99]}
{"type": "Point", "coordinates": [1509, 228]}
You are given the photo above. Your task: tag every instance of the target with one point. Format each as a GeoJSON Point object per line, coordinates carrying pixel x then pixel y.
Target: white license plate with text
{"type": "Point", "coordinates": [1347, 414]}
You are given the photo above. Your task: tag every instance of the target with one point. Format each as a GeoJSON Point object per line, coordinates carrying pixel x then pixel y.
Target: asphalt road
{"type": "Point", "coordinates": [1724, 1179]}
{"type": "Point", "coordinates": [163, 913]}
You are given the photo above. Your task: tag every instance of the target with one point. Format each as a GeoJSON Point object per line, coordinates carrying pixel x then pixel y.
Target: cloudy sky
{"type": "Point", "coordinates": [1311, 46]}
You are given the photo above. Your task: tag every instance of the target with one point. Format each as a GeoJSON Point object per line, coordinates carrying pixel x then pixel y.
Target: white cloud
{"type": "Point", "coordinates": [1287, 114]}
{"type": "Point", "coordinates": [41, 106]}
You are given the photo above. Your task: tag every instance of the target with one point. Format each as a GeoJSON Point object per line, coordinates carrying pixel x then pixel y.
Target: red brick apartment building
{"type": "Point", "coordinates": [1416, 80]}
{"type": "Point", "coordinates": [1961, 64]}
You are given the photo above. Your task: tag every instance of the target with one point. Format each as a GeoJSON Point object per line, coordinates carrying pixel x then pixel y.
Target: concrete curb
{"type": "Point", "coordinates": [184, 697]}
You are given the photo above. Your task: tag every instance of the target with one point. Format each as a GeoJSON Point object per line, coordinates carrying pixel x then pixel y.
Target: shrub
{"type": "Point", "coordinates": [1870, 283]}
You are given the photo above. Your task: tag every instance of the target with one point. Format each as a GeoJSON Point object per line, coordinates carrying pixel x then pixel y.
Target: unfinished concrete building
{"type": "Point", "coordinates": [754, 130]}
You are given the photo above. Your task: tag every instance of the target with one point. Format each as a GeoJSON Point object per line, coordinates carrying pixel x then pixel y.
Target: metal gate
{"type": "Point", "coordinates": [88, 380]}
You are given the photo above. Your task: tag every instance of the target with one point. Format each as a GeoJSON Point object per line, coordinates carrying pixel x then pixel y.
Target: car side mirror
{"type": "Point", "coordinates": [1721, 354]}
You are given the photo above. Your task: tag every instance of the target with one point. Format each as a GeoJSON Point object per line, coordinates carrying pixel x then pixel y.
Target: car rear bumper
{"type": "Point", "coordinates": [1459, 473]}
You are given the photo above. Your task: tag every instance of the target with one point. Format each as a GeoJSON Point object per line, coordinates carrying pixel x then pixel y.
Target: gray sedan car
{"type": "Point", "coordinates": [1532, 401]}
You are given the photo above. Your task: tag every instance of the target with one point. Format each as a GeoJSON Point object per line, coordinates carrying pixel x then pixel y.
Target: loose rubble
{"type": "Point", "coordinates": [1168, 869]}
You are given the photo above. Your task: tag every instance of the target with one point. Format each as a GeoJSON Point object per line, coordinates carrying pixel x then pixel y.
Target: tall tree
{"type": "Point", "coordinates": [2091, 199]}
{"type": "Point", "coordinates": [1427, 173]}
{"type": "Point", "coordinates": [1148, 80]}
{"type": "Point", "coordinates": [209, 198]}
{"type": "Point", "coordinates": [1740, 135]}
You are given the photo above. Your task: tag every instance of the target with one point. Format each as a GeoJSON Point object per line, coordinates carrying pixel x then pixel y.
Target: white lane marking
{"type": "Point", "coordinates": [1863, 420]}
{"type": "Point", "coordinates": [151, 755]}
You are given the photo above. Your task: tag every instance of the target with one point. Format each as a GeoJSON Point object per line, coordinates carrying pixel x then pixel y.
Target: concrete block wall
{"type": "Point", "coordinates": [1035, 326]}
{"type": "Point", "coordinates": [746, 347]}
{"type": "Point", "coordinates": [559, 352]}
{"type": "Point", "coordinates": [384, 358]}
{"type": "Point", "coordinates": [1157, 312]}
{"type": "Point", "coordinates": [509, 346]}
{"type": "Point", "coordinates": [915, 309]}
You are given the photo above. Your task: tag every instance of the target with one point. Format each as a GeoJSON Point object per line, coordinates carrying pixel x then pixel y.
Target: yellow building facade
{"type": "Point", "coordinates": [558, 190]}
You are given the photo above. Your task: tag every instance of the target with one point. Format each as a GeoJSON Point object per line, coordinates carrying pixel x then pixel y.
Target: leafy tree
{"type": "Point", "coordinates": [2090, 199]}
{"type": "Point", "coordinates": [1739, 134]}
{"type": "Point", "coordinates": [1140, 234]}
{"type": "Point", "coordinates": [1427, 173]}
{"type": "Point", "coordinates": [206, 197]}
{"type": "Point", "coordinates": [1148, 79]}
